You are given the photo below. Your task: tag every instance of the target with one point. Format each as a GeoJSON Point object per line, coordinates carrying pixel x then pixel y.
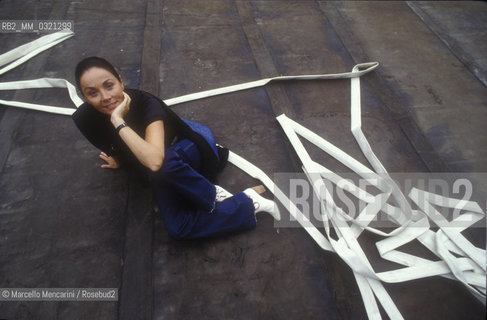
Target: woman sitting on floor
{"type": "Point", "coordinates": [181, 157]}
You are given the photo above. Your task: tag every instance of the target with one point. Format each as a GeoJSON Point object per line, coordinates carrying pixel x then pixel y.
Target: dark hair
{"type": "Point", "coordinates": [91, 62]}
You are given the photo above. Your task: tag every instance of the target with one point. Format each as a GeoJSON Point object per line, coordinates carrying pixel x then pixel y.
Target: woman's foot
{"type": "Point", "coordinates": [261, 203]}
{"type": "Point", "coordinates": [260, 189]}
{"type": "Point", "coordinates": [221, 194]}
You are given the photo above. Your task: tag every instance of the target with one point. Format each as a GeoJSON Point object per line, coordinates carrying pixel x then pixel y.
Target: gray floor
{"type": "Point", "coordinates": [64, 222]}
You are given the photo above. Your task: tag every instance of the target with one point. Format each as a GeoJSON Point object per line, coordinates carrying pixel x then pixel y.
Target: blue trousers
{"type": "Point", "coordinates": [186, 199]}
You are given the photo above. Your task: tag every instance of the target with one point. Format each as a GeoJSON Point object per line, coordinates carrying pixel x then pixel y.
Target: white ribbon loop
{"type": "Point", "coordinates": [459, 258]}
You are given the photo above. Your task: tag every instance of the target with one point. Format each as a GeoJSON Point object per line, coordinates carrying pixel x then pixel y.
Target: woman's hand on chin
{"type": "Point", "coordinates": [120, 111]}
{"type": "Point", "coordinates": [111, 163]}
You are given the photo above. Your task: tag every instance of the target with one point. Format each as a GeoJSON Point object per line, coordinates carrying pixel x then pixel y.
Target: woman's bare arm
{"type": "Point", "coordinates": [149, 151]}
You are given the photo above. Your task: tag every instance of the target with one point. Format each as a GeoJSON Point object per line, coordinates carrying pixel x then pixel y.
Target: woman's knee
{"type": "Point", "coordinates": [186, 151]}
{"type": "Point", "coordinates": [172, 163]}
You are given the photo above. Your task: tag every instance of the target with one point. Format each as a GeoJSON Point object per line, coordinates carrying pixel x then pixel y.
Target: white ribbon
{"type": "Point", "coordinates": [468, 265]}
{"type": "Point", "coordinates": [23, 53]}
{"type": "Point", "coordinates": [19, 55]}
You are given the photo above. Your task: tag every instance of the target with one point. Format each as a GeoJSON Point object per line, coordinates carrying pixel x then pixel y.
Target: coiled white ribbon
{"type": "Point", "coordinates": [468, 265]}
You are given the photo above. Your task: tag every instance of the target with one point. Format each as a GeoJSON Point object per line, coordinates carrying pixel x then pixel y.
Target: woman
{"type": "Point", "coordinates": [140, 131]}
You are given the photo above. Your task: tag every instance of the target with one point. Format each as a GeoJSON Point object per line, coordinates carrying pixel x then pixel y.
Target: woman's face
{"type": "Point", "coordinates": [102, 89]}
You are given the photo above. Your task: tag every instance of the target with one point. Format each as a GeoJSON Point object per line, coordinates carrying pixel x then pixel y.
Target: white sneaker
{"type": "Point", "coordinates": [221, 194]}
{"type": "Point", "coordinates": [262, 204]}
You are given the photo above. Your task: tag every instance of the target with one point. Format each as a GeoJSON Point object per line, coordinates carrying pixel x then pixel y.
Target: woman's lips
{"type": "Point", "coordinates": [111, 106]}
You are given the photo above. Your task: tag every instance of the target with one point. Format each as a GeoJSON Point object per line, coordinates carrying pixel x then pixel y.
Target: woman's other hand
{"type": "Point", "coordinates": [111, 163]}
{"type": "Point", "coordinates": [119, 113]}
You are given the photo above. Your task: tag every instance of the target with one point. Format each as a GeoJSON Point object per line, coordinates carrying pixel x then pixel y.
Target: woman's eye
{"type": "Point", "coordinates": [92, 93]}
{"type": "Point", "coordinates": [109, 85]}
